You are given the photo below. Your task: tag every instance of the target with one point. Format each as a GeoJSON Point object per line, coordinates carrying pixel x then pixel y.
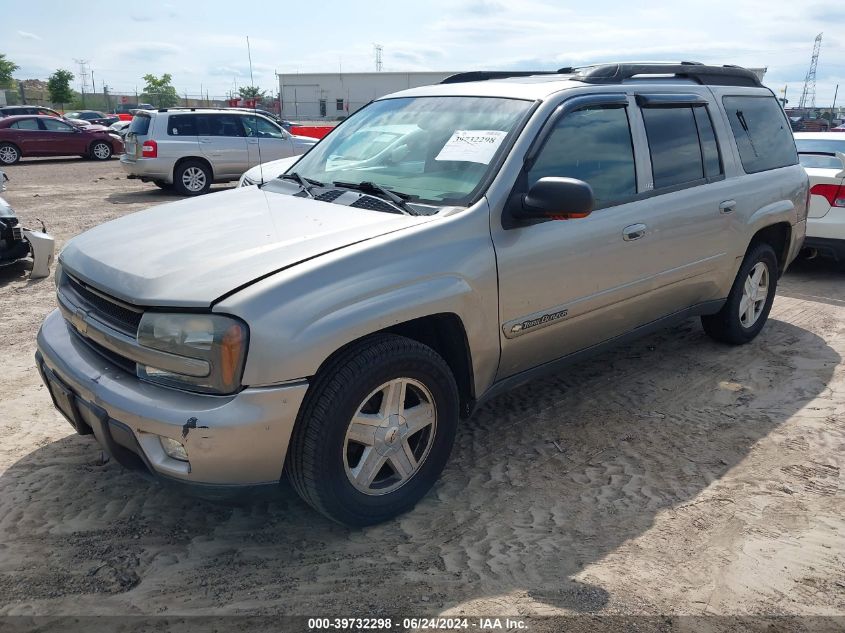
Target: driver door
{"type": "Point", "coordinates": [58, 138]}
{"type": "Point", "coordinates": [565, 285]}
{"type": "Point", "coordinates": [266, 141]}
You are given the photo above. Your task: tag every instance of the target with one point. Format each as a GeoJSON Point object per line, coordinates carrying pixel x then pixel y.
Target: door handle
{"type": "Point", "coordinates": [633, 232]}
{"type": "Point", "coordinates": [252, 141]}
{"type": "Point", "coordinates": [728, 206]}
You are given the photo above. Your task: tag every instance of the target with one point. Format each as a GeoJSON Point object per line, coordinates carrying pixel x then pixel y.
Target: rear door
{"type": "Point", "coordinates": [265, 140]}
{"type": "Point", "coordinates": [61, 139]}
{"type": "Point", "coordinates": [27, 135]}
{"type": "Point", "coordinates": [222, 140]}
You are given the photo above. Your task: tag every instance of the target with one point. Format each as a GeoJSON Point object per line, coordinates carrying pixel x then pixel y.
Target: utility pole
{"type": "Point", "coordinates": [83, 76]}
{"type": "Point", "coordinates": [108, 98]}
{"type": "Point", "coordinates": [835, 94]}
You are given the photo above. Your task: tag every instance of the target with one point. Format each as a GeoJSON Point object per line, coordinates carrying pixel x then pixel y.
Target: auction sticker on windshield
{"type": "Point", "coordinates": [472, 146]}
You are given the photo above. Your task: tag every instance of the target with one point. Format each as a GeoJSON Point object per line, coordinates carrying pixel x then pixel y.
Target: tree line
{"type": "Point", "coordinates": [158, 90]}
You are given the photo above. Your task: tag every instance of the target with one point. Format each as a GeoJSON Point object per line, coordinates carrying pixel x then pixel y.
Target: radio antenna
{"type": "Point", "coordinates": [255, 110]}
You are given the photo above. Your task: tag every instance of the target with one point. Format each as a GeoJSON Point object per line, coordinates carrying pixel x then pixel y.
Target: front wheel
{"type": "Point", "coordinates": [375, 431]}
{"type": "Point", "coordinates": [750, 300]}
{"type": "Point", "coordinates": [100, 150]}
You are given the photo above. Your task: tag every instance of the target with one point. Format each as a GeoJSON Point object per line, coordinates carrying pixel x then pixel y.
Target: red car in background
{"type": "Point", "coordinates": [22, 136]}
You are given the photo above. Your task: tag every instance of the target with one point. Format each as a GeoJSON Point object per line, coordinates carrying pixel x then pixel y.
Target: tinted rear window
{"type": "Point", "coordinates": [140, 124]}
{"type": "Point", "coordinates": [763, 135]}
{"type": "Point", "coordinates": [673, 142]}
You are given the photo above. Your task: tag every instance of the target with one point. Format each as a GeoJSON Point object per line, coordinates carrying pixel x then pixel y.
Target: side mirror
{"type": "Point", "coordinates": [554, 198]}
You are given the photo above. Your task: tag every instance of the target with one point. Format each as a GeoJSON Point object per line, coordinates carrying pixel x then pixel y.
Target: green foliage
{"type": "Point", "coordinates": [251, 92]}
{"type": "Point", "coordinates": [7, 67]}
{"type": "Point", "coordinates": [58, 85]}
{"type": "Point", "coordinates": [159, 91]}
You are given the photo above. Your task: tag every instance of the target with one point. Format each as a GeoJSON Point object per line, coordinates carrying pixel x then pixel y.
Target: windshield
{"type": "Point", "coordinates": [820, 145]}
{"type": "Point", "coordinates": [434, 149]}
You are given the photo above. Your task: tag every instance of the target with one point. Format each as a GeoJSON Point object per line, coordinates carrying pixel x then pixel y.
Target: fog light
{"type": "Point", "coordinates": [173, 448]}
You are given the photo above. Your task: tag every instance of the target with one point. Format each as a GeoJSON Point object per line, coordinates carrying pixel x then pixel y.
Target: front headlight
{"type": "Point", "coordinates": [218, 342]}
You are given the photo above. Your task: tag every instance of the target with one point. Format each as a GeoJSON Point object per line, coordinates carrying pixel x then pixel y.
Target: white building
{"type": "Point", "coordinates": [332, 96]}
{"type": "Point", "coordinates": [335, 95]}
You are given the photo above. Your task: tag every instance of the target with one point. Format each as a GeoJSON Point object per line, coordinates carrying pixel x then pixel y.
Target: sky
{"type": "Point", "coordinates": [203, 44]}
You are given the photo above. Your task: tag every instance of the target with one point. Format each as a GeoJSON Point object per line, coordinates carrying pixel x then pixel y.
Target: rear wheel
{"type": "Point", "coordinates": [100, 150]}
{"type": "Point", "coordinates": [9, 154]}
{"type": "Point", "coordinates": [192, 178]}
{"type": "Point", "coordinates": [750, 300]}
{"type": "Point", "coordinates": [375, 431]}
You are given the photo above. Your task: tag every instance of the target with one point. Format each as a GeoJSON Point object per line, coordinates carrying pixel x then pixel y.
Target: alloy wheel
{"type": "Point", "coordinates": [8, 155]}
{"type": "Point", "coordinates": [754, 294]}
{"type": "Point", "coordinates": [194, 179]}
{"type": "Point", "coordinates": [390, 436]}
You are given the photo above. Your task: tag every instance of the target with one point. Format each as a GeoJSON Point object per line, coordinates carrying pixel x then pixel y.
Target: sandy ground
{"type": "Point", "coordinates": [673, 475]}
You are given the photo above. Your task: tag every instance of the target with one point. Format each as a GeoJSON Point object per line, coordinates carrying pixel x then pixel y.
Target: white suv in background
{"type": "Point", "coordinates": [823, 156]}
{"type": "Point", "coordinates": [191, 148]}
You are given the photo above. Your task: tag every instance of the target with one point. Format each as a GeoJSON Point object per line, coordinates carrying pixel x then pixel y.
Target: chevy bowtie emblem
{"type": "Point", "coordinates": [78, 320]}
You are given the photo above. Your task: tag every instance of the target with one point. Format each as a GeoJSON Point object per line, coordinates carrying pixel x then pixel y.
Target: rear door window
{"type": "Point", "coordinates": [219, 125]}
{"type": "Point", "coordinates": [763, 135]}
{"type": "Point", "coordinates": [682, 145]}
{"type": "Point", "coordinates": [25, 124]}
{"type": "Point", "coordinates": [182, 125]}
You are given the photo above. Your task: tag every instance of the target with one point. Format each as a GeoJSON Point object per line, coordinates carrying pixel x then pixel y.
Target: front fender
{"type": "Point", "coordinates": [300, 316]}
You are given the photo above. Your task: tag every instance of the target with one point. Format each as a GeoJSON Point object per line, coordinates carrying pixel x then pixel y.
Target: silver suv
{"type": "Point", "coordinates": [191, 148]}
{"type": "Point", "coordinates": [344, 320]}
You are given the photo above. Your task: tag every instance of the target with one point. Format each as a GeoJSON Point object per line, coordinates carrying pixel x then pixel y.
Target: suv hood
{"type": "Point", "coordinates": [189, 253]}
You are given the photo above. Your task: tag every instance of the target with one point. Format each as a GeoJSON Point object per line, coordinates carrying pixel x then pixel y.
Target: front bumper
{"type": "Point", "coordinates": [234, 440]}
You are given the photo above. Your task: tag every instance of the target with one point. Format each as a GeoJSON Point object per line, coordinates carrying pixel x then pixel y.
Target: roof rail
{"type": "Point", "coordinates": [484, 75]}
{"type": "Point", "coordinates": [703, 74]}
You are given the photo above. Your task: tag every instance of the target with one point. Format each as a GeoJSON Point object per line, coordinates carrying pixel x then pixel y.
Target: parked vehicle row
{"type": "Point", "coordinates": [338, 322]}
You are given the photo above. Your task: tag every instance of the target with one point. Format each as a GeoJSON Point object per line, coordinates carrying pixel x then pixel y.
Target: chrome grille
{"type": "Point", "coordinates": [119, 315]}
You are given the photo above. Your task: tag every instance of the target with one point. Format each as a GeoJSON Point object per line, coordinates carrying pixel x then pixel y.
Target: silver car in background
{"type": "Point", "coordinates": [188, 149]}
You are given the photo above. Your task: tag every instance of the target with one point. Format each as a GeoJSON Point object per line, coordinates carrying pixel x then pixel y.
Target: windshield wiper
{"type": "Point", "coordinates": [396, 197]}
{"type": "Point", "coordinates": [305, 183]}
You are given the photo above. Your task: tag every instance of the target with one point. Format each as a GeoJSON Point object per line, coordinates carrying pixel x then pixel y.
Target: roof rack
{"type": "Point", "coordinates": [619, 72]}
{"type": "Point", "coordinates": [703, 74]}
{"type": "Point", "coordinates": [484, 75]}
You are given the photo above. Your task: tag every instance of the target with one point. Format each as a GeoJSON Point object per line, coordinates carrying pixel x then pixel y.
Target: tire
{"type": "Point", "coordinates": [9, 154]}
{"type": "Point", "coordinates": [162, 185]}
{"type": "Point", "coordinates": [100, 150]}
{"type": "Point", "coordinates": [729, 325]}
{"type": "Point", "coordinates": [329, 456]}
{"type": "Point", "coordinates": [192, 178]}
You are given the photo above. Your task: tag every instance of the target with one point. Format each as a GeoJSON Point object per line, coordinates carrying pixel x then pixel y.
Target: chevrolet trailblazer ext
{"type": "Point", "coordinates": [338, 322]}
